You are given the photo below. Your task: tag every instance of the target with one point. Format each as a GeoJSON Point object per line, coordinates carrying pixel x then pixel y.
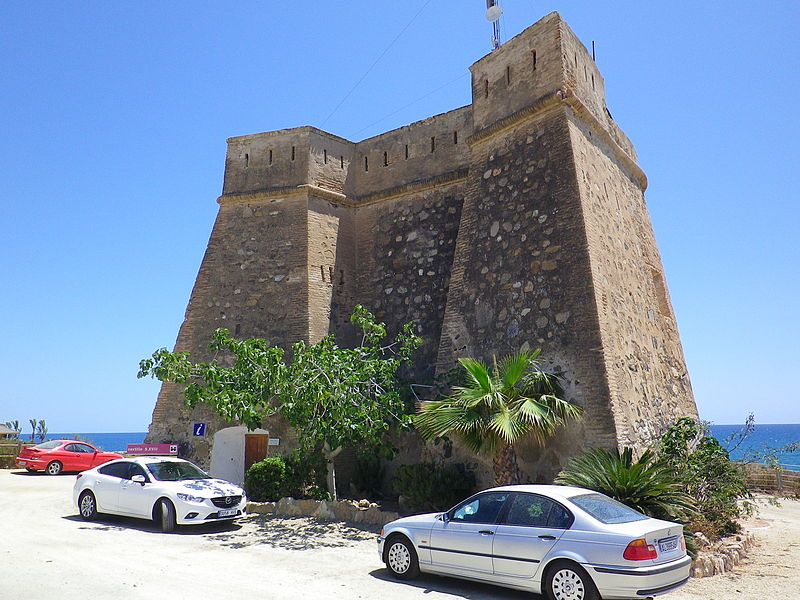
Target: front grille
{"type": "Point", "coordinates": [226, 501]}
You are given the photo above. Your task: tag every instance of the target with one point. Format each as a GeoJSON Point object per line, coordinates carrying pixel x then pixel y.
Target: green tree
{"type": "Point", "coordinates": [333, 397]}
{"type": "Point", "coordinates": [497, 407]}
{"type": "Point", "coordinates": [646, 484]}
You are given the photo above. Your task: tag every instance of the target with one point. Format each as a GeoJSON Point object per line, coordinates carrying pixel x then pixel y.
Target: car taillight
{"type": "Point", "coordinates": [639, 550]}
{"type": "Point", "coordinates": [683, 543]}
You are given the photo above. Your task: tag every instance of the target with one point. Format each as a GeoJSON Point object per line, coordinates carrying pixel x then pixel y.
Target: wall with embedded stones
{"type": "Point", "coordinates": [646, 370]}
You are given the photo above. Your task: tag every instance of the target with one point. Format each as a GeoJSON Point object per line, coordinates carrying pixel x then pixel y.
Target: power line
{"type": "Point", "coordinates": [364, 76]}
{"type": "Point", "coordinates": [402, 108]}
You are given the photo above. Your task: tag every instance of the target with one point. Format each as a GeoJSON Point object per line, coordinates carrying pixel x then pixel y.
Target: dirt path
{"type": "Point", "coordinates": [48, 552]}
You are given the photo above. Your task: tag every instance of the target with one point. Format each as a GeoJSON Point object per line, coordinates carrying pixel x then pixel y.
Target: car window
{"type": "Point", "coordinates": [82, 448]}
{"type": "Point", "coordinates": [529, 510]}
{"type": "Point", "coordinates": [481, 509]}
{"type": "Point", "coordinates": [560, 518]}
{"type": "Point", "coordinates": [71, 448]}
{"type": "Point", "coordinates": [48, 445]}
{"type": "Point", "coordinates": [175, 471]}
{"type": "Point", "coordinates": [607, 510]}
{"type": "Point", "coordinates": [117, 469]}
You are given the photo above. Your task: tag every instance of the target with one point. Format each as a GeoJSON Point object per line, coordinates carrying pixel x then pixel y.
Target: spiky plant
{"type": "Point", "coordinates": [497, 407]}
{"type": "Point", "coordinates": [646, 484]}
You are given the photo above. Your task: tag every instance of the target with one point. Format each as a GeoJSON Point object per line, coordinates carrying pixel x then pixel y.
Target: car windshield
{"type": "Point", "coordinates": [607, 510]}
{"type": "Point", "coordinates": [175, 471]}
{"type": "Point", "coordinates": [48, 445]}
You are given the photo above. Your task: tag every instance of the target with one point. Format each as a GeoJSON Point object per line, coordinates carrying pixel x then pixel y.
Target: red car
{"type": "Point", "coordinates": [56, 456]}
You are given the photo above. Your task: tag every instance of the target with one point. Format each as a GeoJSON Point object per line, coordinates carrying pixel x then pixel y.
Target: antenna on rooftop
{"type": "Point", "coordinates": [493, 14]}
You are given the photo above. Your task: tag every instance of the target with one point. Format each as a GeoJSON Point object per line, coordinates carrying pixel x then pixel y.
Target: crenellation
{"type": "Point", "coordinates": [513, 223]}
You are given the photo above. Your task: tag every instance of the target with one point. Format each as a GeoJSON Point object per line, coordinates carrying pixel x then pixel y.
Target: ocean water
{"type": "Point", "coordinates": [763, 438]}
{"type": "Point", "coordinates": [110, 442]}
{"type": "Point", "coordinates": [760, 440]}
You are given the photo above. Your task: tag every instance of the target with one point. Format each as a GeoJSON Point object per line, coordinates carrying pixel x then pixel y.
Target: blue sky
{"type": "Point", "coordinates": [113, 120]}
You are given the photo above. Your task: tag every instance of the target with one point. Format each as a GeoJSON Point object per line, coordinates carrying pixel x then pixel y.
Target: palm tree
{"type": "Point", "coordinates": [497, 407]}
{"type": "Point", "coordinates": [33, 428]}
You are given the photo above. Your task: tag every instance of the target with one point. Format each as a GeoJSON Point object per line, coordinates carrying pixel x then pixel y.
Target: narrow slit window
{"type": "Point", "coordinates": [366, 163]}
{"type": "Point", "coordinates": [341, 277]}
{"type": "Point", "coordinates": [325, 156]}
{"type": "Point", "coordinates": [330, 274]}
{"type": "Point", "coordinates": [486, 88]}
{"type": "Point", "coordinates": [341, 162]}
{"type": "Point", "coordinates": [270, 157]}
{"type": "Point", "coordinates": [385, 159]}
{"type": "Point", "coordinates": [322, 272]}
{"type": "Point", "coordinates": [433, 143]}
{"type": "Point", "coordinates": [508, 75]}
{"type": "Point", "coordinates": [534, 59]}
{"type": "Point", "coordinates": [594, 88]}
{"type": "Point", "coordinates": [246, 159]}
{"type": "Point", "coordinates": [585, 76]}
{"type": "Point", "coordinates": [455, 137]}
{"type": "Point", "coordinates": [406, 151]}
{"type": "Point", "coordinates": [238, 329]}
{"type": "Point", "coordinates": [292, 152]}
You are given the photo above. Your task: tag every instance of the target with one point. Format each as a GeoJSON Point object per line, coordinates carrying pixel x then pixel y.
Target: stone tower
{"type": "Point", "coordinates": [517, 221]}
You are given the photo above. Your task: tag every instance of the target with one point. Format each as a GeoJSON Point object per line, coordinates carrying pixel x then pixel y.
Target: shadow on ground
{"type": "Point", "coordinates": [296, 533]}
{"type": "Point", "coordinates": [457, 587]}
{"type": "Point", "coordinates": [116, 523]}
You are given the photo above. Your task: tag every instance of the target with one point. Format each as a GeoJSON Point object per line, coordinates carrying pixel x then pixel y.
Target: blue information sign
{"type": "Point", "coordinates": [199, 430]}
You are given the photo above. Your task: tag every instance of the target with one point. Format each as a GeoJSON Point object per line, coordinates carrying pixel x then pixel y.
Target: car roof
{"type": "Point", "coordinates": [557, 491]}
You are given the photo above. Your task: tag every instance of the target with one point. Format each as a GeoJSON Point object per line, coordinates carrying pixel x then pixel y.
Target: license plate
{"type": "Point", "coordinates": [668, 544]}
{"type": "Point", "coordinates": [228, 512]}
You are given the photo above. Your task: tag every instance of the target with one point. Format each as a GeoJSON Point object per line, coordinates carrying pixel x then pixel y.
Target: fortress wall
{"type": "Point", "coordinates": [251, 281]}
{"type": "Point", "coordinates": [521, 277]}
{"type": "Point", "coordinates": [436, 146]}
{"type": "Point", "coordinates": [405, 253]}
{"type": "Point", "coordinates": [649, 384]}
{"type": "Point", "coordinates": [248, 167]}
{"type": "Point", "coordinates": [331, 269]}
{"type": "Point", "coordinates": [330, 160]}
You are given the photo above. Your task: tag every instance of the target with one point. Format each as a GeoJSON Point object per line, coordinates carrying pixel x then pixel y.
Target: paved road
{"type": "Point", "coordinates": [47, 552]}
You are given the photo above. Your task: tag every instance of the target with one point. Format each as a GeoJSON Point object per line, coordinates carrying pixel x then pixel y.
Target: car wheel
{"type": "Point", "coordinates": [54, 468]}
{"type": "Point", "coordinates": [166, 515]}
{"type": "Point", "coordinates": [87, 505]}
{"type": "Point", "coordinates": [401, 558]}
{"type": "Point", "coordinates": [566, 580]}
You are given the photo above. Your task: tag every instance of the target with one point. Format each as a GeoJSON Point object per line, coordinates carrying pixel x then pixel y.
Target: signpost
{"type": "Point", "coordinates": [153, 449]}
{"type": "Point", "coordinates": [199, 430]}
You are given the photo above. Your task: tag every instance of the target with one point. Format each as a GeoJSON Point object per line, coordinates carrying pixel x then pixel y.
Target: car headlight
{"type": "Point", "coordinates": [190, 498]}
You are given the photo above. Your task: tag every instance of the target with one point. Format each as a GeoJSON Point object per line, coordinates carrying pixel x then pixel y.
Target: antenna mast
{"type": "Point", "coordinates": [493, 14]}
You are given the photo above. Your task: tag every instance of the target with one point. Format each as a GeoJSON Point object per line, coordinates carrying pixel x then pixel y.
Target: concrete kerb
{"type": "Point", "coordinates": [361, 512]}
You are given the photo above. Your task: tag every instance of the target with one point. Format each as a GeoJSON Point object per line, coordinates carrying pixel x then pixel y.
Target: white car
{"type": "Point", "coordinates": [568, 543]}
{"type": "Point", "coordinates": [168, 490]}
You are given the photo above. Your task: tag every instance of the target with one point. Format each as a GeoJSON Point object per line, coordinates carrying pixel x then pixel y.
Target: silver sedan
{"type": "Point", "coordinates": [565, 542]}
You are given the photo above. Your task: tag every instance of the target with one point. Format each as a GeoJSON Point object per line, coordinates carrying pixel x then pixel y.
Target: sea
{"type": "Point", "coordinates": [763, 439]}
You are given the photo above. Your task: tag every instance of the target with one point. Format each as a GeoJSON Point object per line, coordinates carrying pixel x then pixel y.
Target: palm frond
{"type": "Point", "coordinates": [513, 368]}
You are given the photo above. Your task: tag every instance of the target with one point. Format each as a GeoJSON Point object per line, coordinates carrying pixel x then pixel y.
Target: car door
{"type": "Point", "coordinates": [463, 540]}
{"type": "Point", "coordinates": [77, 457]}
{"type": "Point", "coordinates": [106, 485]}
{"type": "Point", "coordinates": [134, 498]}
{"type": "Point", "coordinates": [528, 531]}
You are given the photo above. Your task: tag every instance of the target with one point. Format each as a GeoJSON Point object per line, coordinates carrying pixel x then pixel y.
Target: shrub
{"type": "Point", "coordinates": [368, 474]}
{"type": "Point", "coordinates": [708, 475]}
{"type": "Point", "coordinates": [265, 480]}
{"type": "Point", "coordinates": [429, 487]}
{"type": "Point", "coordinates": [646, 484]}
{"type": "Point", "coordinates": [305, 476]}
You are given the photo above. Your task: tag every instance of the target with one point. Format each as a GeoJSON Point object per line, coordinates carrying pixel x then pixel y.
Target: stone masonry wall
{"type": "Point", "coordinates": [521, 275]}
{"type": "Point", "coordinates": [646, 369]}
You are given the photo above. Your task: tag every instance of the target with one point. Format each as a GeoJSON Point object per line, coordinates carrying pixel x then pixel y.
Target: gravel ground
{"type": "Point", "coordinates": [49, 552]}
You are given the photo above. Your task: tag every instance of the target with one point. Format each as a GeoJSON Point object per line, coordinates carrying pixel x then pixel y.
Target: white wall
{"type": "Point", "coordinates": [227, 453]}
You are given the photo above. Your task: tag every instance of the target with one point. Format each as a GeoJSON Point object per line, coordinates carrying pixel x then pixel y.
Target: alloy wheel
{"type": "Point", "coordinates": [568, 585]}
{"type": "Point", "coordinates": [399, 558]}
{"type": "Point", "coordinates": [87, 505]}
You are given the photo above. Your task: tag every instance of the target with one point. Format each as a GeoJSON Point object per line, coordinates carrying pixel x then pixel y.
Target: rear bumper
{"type": "Point", "coordinates": [640, 582]}
{"type": "Point", "coordinates": [31, 463]}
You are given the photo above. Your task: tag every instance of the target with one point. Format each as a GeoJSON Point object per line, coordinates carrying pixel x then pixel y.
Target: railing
{"type": "Point", "coordinates": [773, 480]}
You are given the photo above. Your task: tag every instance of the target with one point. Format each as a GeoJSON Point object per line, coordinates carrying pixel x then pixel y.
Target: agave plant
{"type": "Point", "coordinates": [41, 430]}
{"type": "Point", "coordinates": [497, 407]}
{"type": "Point", "coordinates": [647, 484]}
{"type": "Point", "coordinates": [33, 428]}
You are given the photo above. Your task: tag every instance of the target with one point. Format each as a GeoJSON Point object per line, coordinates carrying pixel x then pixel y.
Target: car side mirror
{"type": "Point", "coordinates": [138, 479]}
{"type": "Point", "coordinates": [445, 517]}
